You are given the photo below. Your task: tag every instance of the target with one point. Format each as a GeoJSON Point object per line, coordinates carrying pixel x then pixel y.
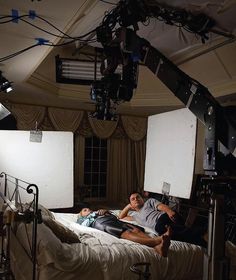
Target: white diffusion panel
{"type": "Point", "coordinates": [48, 164]}
{"type": "Point", "coordinates": [170, 154]}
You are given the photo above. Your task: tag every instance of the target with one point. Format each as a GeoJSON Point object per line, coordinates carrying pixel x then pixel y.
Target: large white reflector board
{"type": "Point", "coordinates": [170, 153]}
{"type": "Point", "coordinates": [48, 164]}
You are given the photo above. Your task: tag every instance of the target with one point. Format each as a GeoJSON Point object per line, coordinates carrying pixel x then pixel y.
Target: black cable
{"type": "Point", "coordinates": [73, 39]}
{"type": "Point", "coordinates": [49, 23]}
{"type": "Point", "coordinates": [12, 18]}
{"type": "Point", "coordinates": [107, 2]}
{"type": "Point", "coordinates": [86, 34]}
{"type": "Point", "coordinates": [66, 35]}
{"type": "Point", "coordinates": [17, 53]}
{"type": "Point", "coordinates": [48, 32]}
{"type": "Point", "coordinates": [67, 43]}
{"type": "Point", "coordinates": [2, 59]}
{"type": "Point", "coordinates": [109, 21]}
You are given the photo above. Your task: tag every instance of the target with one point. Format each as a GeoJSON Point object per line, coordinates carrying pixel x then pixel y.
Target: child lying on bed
{"type": "Point", "coordinates": [105, 221]}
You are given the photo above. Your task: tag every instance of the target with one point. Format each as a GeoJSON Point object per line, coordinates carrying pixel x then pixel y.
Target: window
{"type": "Point", "coordinates": [95, 166]}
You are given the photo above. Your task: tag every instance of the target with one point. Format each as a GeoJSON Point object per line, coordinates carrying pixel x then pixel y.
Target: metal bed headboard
{"type": "Point", "coordinates": [11, 197]}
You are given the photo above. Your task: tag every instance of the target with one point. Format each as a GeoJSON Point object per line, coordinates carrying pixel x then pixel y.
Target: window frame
{"type": "Point", "coordinates": [95, 167]}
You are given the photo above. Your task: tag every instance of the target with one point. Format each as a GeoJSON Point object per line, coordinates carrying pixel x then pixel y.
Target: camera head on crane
{"type": "Point", "coordinates": [122, 47]}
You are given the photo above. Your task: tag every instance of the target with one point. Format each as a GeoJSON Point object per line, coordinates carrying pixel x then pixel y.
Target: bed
{"type": "Point", "coordinates": [44, 245]}
{"type": "Point", "coordinates": [67, 250]}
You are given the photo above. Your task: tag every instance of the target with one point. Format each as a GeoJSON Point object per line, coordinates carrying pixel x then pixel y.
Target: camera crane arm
{"type": "Point", "coordinates": [220, 125]}
{"type": "Point", "coordinates": [194, 96]}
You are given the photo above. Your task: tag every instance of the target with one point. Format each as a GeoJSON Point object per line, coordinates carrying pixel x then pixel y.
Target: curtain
{"type": "Point", "coordinates": [65, 120]}
{"type": "Point", "coordinates": [120, 173]}
{"type": "Point", "coordinates": [28, 117]}
{"type": "Point", "coordinates": [46, 124]}
{"type": "Point", "coordinates": [126, 144]}
{"type": "Point", "coordinates": [79, 142]}
{"type": "Point", "coordinates": [139, 158]}
{"type": "Point", "coordinates": [135, 127]}
{"type": "Point", "coordinates": [103, 129]}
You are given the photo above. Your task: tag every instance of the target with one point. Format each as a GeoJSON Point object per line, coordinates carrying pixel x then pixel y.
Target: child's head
{"type": "Point", "coordinates": [85, 212]}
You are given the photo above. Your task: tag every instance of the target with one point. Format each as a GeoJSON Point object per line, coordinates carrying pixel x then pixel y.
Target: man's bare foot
{"type": "Point", "coordinates": [163, 247]}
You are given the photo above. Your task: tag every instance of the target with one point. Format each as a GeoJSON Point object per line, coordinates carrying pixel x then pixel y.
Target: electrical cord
{"type": "Point", "coordinates": [107, 2]}
{"type": "Point", "coordinates": [17, 53]}
{"type": "Point", "coordinates": [49, 23]}
{"type": "Point", "coordinates": [172, 16]}
{"type": "Point", "coordinates": [12, 18]}
{"type": "Point", "coordinates": [66, 36]}
{"type": "Point", "coordinates": [48, 32]}
{"type": "Point", "coordinates": [2, 59]}
{"type": "Point", "coordinates": [68, 43]}
{"type": "Point", "coordinates": [44, 42]}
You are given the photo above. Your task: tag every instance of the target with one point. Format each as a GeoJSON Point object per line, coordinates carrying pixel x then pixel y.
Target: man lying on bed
{"type": "Point", "coordinates": [158, 216]}
{"type": "Point", "coordinates": [103, 220]}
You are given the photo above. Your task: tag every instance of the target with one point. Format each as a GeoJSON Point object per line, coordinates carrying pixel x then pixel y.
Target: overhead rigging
{"type": "Point", "coordinates": [117, 34]}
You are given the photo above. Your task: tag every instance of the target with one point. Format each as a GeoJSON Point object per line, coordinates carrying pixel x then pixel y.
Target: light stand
{"type": "Point", "coordinates": [216, 264]}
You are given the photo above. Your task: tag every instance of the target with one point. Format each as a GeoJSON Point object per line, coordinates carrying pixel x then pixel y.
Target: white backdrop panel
{"type": "Point", "coordinates": [48, 164]}
{"type": "Point", "coordinates": [170, 154]}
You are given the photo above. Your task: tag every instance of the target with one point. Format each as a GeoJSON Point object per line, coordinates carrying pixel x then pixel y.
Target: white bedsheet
{"type": "Point", "coordinates": [184, 261]}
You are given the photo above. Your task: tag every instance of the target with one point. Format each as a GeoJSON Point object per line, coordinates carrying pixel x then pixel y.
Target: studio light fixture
{"type": "Point", "coordinates": [5, 85]}
{"type": "Point", "coordinates": [78, 71]}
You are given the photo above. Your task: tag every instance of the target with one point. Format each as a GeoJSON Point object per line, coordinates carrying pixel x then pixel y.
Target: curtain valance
{"type": "Point", "coordinates": [103, 129]}
{"type": "Point", "coordinates": [77, 121]}
{"type": "Point", "coordinates": [135, 127]}
{"type": "Point", "coordinates": [64, 119]}
{"type": "Point", "coordinates": [27, 116]}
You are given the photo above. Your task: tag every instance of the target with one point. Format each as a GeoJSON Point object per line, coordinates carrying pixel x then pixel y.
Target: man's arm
{"type": "Point", "coordinates": [167, 210]}
{"type": "Point", "coordinates": [124, 213]}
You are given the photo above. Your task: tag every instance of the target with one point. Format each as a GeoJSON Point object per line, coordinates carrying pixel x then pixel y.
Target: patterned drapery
{"type": "Point", "coordinates": [64, 119]}
{"type": "Point", "coordinates": [126, 143]}
{"type": "Point", "coordinates": [28, 117]}
{"type": "Point", "coordinates": [103, 129]}
{"type": "Point", "coordinates": [135, 127]}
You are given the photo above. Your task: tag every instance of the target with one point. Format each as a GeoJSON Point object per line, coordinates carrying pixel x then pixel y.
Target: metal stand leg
{"type": "Point", "coordinates": [6, 273]}
{"type": "Point", "coordinates": [2, 259]}
{"type": "Point", "coordinates": [216, 265]}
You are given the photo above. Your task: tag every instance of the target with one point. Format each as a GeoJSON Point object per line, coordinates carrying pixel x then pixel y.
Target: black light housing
{"type": "Point", "coordinates": [5, 85]}
{"type": "Point", "coordinates": [4, 112]}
